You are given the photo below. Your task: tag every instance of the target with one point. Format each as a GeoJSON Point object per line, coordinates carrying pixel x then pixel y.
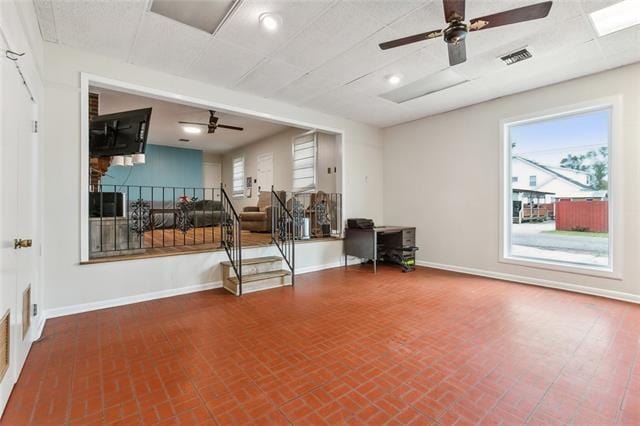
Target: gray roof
{"type": "Point", "coordinates": [556, 174]}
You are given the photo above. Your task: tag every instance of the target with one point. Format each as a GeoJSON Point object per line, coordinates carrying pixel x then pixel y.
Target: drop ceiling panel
{"type": "Point", "coordinates": [364, 58]}
{"type": "Point", "coordinates": [167, 44]}
{"type": "Point", "coordinates": [331, 34]}
{"type": "Point", "coordinates": [46, 21]}
{"type": "Point", "coordinates": [108, 28]}
{"type": "Point", "coordinates": [269, 77]}
{"type": "Point", "coordinates": [387, 11]}
{"type": "Point", "coordinates": [243, 27]}
{"type": "Point", "coordinates": [223, 63]}
{"type": "Point", "coordinates": [203, 15]}
{"type": "Point", "coordinates": [305, 88]}
{"type": "Point", "coordinates": [411, 67]}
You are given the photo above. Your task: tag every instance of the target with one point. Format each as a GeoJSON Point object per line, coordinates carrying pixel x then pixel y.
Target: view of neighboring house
{"type": "Point", "coordinates": [555, 182]}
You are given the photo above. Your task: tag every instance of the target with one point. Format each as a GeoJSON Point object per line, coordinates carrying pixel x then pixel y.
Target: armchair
{"type": "Point", "coordinates": [258, 218]}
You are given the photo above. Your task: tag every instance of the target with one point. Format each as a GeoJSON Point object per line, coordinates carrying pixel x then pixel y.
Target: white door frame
{"type": "Point", "coordinates": [87, 79]}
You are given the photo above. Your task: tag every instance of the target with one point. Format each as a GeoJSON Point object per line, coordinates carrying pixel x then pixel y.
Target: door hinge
{"type": "Point", "coordinates": [35, 126]}
{"type": "Point", "coordinates": [35, 309]}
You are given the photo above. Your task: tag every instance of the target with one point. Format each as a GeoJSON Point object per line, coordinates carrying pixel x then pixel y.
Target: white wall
{"type": "Point", "coordinates": [280, 146]}
{"type": "Point", "coordinates": [442, 175]}
{"type": "Point", "coordinates": [69, 283]}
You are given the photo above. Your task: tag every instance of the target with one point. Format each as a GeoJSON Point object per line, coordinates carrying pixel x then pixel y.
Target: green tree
{"type": "Point", "coordinates": [596, 163]}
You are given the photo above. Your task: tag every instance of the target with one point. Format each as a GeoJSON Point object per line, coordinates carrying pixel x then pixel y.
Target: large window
{"type": "Point", "coordinates": [304, 161]}
{"type": "Point", "coordinates": [563, 215]}
{"type": "Point", "coordinates": [238, 177]}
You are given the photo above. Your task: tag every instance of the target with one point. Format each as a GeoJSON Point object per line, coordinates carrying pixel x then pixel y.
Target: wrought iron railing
{"type": "Point", "coordinates": [283, 231]}
{"type": "Point", "coordinates": [316, 214]}
{"type": "Point", "coordinates": [231, 237]}
{"type": "Point", "coordinates": [127, 218]}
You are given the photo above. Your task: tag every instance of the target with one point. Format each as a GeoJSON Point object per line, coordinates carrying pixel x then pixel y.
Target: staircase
{"type": "Point", "coordinates": [260, 273]}
{"type": "Point", "coordinates": [240, 275]}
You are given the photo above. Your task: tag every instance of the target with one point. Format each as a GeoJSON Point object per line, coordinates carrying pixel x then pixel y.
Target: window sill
{"type": "Point", "coordinates": [607, 272]}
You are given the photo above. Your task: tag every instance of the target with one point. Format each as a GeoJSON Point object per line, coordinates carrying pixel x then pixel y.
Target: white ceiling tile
{"type": "Point", "coordinates": [427, 18]}
{"type": "Point", "coordinates": [46, 20]}
{"type": "Point", "coordinates": [167, 44]}
{"type": "Point", "coordinates": [337, 30]}
{"type": "Point", "coordinates": [592, 5]}
{"type": "Point", "coordinates": [621, 41]}
{"type": "Point", "coordinates": [411, 67]}
{"type": "Point", "coordinates": [387, 11]}
{"type": "Point", "coordinates": [223, 63]}
{"type": "Point", "coordinates": [269, 77]}
{"type": "Point", "coordinates": [364, 58]}
{"type": "Point", "coordinates": [452, 98]}
{"type": "Point", "coordinates": [108, 28]}
{"type": "Point", "coordinates": [243, 27]}
{"type": "Point", "coordinates": [305, 88]}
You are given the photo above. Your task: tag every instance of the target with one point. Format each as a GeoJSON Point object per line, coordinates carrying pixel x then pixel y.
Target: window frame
{"type": "Point", "coordinates": [615, 192]}
{"type": "Point", "coordinates": [240, 193]}
{"type": "Point", "coordinates": [313, 186]}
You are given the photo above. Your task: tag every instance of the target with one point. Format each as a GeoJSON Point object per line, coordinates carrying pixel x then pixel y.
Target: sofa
{"type": "Point", "coordinates": [258, 218]}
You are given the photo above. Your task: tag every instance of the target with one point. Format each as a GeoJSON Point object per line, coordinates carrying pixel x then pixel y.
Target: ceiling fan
{"type": "Point", "coordinates": [213, 124]}
{"type": "Point", "coordinates": [455, 34]}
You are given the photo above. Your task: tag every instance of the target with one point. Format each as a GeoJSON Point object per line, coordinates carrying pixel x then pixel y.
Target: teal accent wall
{"type": "Point", "coordinates": [164, 166]}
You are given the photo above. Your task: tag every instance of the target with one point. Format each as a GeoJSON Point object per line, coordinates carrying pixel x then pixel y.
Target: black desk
{"type": "Point", "coordinates": [363, 243]}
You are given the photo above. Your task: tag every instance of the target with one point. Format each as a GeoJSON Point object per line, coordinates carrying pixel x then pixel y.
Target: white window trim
{"type": "Point", "coordinates": [315, 162]}
{"type": "Point", "coordinates": [235, 194]}
{"type": "Point", "coordinates": [616, 201]}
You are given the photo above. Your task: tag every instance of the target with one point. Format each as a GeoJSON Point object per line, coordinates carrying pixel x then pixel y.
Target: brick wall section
{"type": "Point", "coordinates": [589, 215]}
{"type": "Point", "coordinates": [94, 105]}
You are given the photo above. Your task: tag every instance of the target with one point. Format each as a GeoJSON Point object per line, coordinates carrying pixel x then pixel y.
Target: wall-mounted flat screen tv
{"type": "Point", "coordinates": [121, 133]}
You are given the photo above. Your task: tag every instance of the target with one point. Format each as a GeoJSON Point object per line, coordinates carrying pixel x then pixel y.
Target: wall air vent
{"type": "Point", "coordinates": [517, 56]}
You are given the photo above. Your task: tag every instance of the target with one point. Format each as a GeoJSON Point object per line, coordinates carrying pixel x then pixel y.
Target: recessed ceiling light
{"type": "Point", "coordinates": [616, 17]}
{"type": "Point", "coordinates": [270, 21]}
{"type": "Point", "coordinates": [394, 78]}
{"type": "Point", "coordinates": [191, 129]}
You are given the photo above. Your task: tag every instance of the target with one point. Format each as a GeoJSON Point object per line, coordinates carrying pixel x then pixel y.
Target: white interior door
{"type": "Point", "coordinates": [265, 172]}
{"type": "Point", "coordinates": [212, 177]}
{"type": "Point", "coordinates": [18, 209]}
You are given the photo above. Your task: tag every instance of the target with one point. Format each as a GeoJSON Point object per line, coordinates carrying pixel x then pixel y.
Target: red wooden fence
{"type": "Point", "coordinates": [591, 216]}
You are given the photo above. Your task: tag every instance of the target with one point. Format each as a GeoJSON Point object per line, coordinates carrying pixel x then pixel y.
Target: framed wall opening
{"type": "Point", "coordinates": [121, 183]}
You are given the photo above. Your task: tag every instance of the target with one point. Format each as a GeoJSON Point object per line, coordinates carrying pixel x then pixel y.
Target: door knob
{"type": "Point", "coordinates": [19, 243]}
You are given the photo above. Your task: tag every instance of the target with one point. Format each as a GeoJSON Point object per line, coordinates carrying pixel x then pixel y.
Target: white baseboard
{"type": "Point", "coordinates": [39, 326]}
{"type": "Point", "coordinates": [110, 303]}
{"type": "Point", "coordinates": [315, 268]}
{"type": "Point", "coordinates": [611, 294]}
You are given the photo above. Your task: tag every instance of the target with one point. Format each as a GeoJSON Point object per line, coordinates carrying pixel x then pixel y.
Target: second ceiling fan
{"type": "Point", "coordinates": [454, 35]}
{"type": "Point", "coordinates": [213, 124]}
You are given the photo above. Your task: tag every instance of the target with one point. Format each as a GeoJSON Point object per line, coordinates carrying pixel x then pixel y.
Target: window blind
{"type": "Point", "coordinates": [304, 161]}
{"type": "Point", "coordinates": [238, 176]}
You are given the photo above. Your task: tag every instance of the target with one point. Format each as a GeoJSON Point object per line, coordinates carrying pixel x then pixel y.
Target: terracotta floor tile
{"type": "Point", "coordinates": [344, 346]}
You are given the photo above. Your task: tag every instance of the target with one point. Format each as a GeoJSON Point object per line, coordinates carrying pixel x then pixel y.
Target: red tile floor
{"type": "Point", "coordinates": [343, 346]}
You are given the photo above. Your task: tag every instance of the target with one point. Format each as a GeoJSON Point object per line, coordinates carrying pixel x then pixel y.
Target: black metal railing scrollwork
{"type": "Point", "coordinates": [283, 231]}
{"type": "Point", "coordinates": [231, 236]}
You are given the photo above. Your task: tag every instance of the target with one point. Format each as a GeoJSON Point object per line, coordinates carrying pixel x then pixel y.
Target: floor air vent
{"type": "Point", "coordinates": [4, 344]}
{"type": "Point", "coordinates": [517, 56]}
{"type": "Point", "coordinates": [26, 311]}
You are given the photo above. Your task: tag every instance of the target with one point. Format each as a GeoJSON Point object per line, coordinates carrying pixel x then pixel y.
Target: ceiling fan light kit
{"type": "Point", "coordinates": [212, 125]}
{"type": "Point", "coordinates": [457, 30]}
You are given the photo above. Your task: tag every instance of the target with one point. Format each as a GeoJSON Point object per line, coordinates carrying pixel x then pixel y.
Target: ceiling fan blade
{"type": "Point", "coordinates": [453, 10]}
{"type": "Point", "coordinates": [410, 39]}
{"type": "Point", "coordinates": [457, 52]}
{"type": "Point", "coordinates": [513, 16]}
{"type": "Point", "coordinates": [224, 126]}
{"type": "Point", "coordinates": [191, 122]}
